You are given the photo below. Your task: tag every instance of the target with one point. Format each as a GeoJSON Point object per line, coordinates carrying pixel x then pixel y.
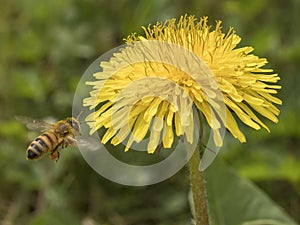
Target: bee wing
{"type": "Point", "coordinates": [34, 124]}
{"type": "Point", "coordinates": [87, 143]}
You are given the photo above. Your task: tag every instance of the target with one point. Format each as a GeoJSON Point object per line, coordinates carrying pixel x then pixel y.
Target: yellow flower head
{"type": "Point", "coordinates": [150, 87]}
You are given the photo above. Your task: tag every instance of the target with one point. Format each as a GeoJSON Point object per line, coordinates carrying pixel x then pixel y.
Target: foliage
{"type": "Point", "coordinates": [239, 201]}
{"type": "Point", "coordinates": [45, 48]}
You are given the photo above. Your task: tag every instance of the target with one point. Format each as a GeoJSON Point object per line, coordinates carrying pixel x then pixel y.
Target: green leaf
{"type": "Point", "coordinates": [54, 216]}
{"type": "Point", "coordinates": [233, 200]}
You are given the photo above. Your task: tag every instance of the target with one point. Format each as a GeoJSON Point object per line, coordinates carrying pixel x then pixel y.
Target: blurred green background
{"type": "Point", "coordinates": [45, 47]}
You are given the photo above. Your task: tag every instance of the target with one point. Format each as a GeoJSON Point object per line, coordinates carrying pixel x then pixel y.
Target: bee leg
{"type": "Point", "coordinates": [70, 141]}
{"type": "Point", "coordinates": [64, 144]}
{"type": "Point", "coordinates": [57, 156]}
{"type": "Point", "coordinates": [54, 154]}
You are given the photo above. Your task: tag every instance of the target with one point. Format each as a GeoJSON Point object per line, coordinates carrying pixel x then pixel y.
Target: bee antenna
{"type": "Point", "coordinates": [79, 115]}
{"type": "Point", "coordinates": [82, 122]}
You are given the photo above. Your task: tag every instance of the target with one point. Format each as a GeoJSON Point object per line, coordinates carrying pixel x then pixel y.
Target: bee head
{"type": "Point", "coordinates": [74, 123]}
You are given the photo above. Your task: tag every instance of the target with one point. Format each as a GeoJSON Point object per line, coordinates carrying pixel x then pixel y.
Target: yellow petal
{"type": "Point", "coordinates": [270, 98]}
{"type": "Point", "coordinates": [252, 115]}
{"type": "Point", "coordinates": [252, 100]}
{"type": "Point", "coordinates": [217, 138]}
{"type": "Point", "coordinates": [108, 135]}
{"type": "Point", "coordinates": [265, 112]}
{"type": "Point", "coordinates": [178, 127]}
{"type": "Point", "coordinates": [242, 115]}
{"type": "Point", "coordinates": [168, 137]}
{"type": "Point", "coordinates": [153, 141]}
{"type": "Point", "coordinates": [140, 128]}
{"type": "Point", "coordinates": [232, 126]}
{"type": "Point", "coordinates": [129, 143]}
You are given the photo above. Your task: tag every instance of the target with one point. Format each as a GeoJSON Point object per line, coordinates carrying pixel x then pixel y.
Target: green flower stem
{"type": "Point", "coordinates": [198, 190]}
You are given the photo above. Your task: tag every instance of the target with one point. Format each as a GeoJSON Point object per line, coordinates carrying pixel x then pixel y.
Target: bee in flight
{"type": "Point", "coordinates": [61, 134]}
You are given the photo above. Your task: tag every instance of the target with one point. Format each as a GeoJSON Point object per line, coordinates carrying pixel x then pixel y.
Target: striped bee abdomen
{"type": "Point", "coordinates": [42, 144]}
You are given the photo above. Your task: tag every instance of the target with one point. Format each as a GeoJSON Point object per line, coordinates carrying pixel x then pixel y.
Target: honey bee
{"type": "Point", "coordinates": [61, 134]}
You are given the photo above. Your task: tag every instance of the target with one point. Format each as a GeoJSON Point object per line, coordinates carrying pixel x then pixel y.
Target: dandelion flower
{"type": "Point", "coordinates": [138, 95]}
